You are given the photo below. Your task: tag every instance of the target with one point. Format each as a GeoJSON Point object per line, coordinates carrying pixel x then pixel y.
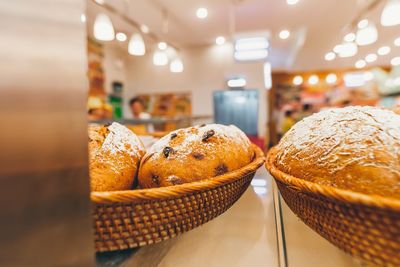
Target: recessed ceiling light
{"type": "Point", "coordinates": [292, 2]}
{"type": "Point", "coordinates": [330, 56]}
{"type": "Point", "coordinates": [144, 28]}
{"type": "Point", "coordinates": [220, 40]}
{"type": "Point", "coordinates": [362, 24]}
{"type": "Point", "coordinates": [201, 13]}
{"type": "Point", "coordinates": [162, 45]}
{"type": "Point", "coordinates": [350, 37]}
{"type": "Point", "coordinates": [120, 36]}
{"type": "Point", "coordinates": [297, 80]}
{"type": "Point", "coordinates": [371, 57]}
{"type": "Point", "coordinates": [313, 79]}
{"type": "Point", "coordinates": [397, 41]}
{"type": "Point", "coordinates": [100, 2]}
{"type": "Point", "coordinates": [284, 34]}
{"type": "Point", "coordinates": [348, 50]}
{"type": "Point", "coordinates": [337, 48]}
{"type": "Point", "coordinates": [367, 35]}
{"type": "Point", "coordinates": [384, 50]}
{"type": "Point", "coordinates": [360, 64]}
{"type": "Point", "coordinates": [395, 61]}
{"type": "Point", "coordinates": [331, 78]}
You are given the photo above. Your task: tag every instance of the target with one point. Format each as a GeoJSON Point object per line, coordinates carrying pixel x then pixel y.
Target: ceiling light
{"type": "Point", "coordinates": [176, 65]}
{"type": "Point", "coordinates": [144, 28]}
{"type": "Point", "coordinates": [297, 80]}
{"type": "Point", "coordinates": [331, 78]}
{"type": "Point", "coordinates": [83, 18]}
{"type": "Point", "coordinates": [120, 36]}
{"type": "Point", "coordinates": [397, 41]}
{"type": "Point", "coordinates": [348, 50]}
{"type": "Point", "coordinates": [350, 37]}
{"type": "Point", "coordinates": [103, 29]}
{"type": "Point", "coordinates": [251, 43]}
{"type": "Point", "coordinates": [355, 79]}
{"type": "Point", "coordinates": [292, 2]}
{"type": "Point", "coordinates": [367, 35]}
{"type": "Point", "coordinates": [362, 24]}
{"type": "Point", "coordinates": [162, 45]}
{"type": "Point", "coordinates": [391, 13]}
{"type": "Point", "coordinates": [136, 45]}
{"type": "Point", "coordinates": [368, 76]}
{"type": "Point", "coordinates": [384, 50]}
{"type": "Point", "coordinates": [171, 52]}
{"type": "Point", "coordinates": [371, 57]}
{"type": "Point", "coordinates": [201, 13]}
{"type": "Point", "coordinates": [236, 83]}
{"type": "Point", "coordinates": [100, 2]}
{"type": "Point", "coordinates": [313, 79]}
{"type": "Point", "coordinates": [395, 61]}
{"type": "Point", "coordinates": [251, 55]}
{"type": "Point", "coordinates": [284, 34]}
{"type": "Point", "coordinates": [337, 48]}
{"type": "Point", "coordinates": [251, 48]}
{"type": "Point", "coordinates": [360, 64]}
{"type": "Point", "coordinates": [330, 56]}
{"type": "Point", "coordinates": [160, 58]}
{"type": "Point", "coordinates": [220, 40]}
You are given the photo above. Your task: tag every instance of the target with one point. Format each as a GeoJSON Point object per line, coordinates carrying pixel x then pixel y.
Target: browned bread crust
{"type": "Point", "coordinates": [114, 156]}
{"type": "Point", "coordinates": [355, 148]}
{"type": "Point", "coordinates": [193, 154]}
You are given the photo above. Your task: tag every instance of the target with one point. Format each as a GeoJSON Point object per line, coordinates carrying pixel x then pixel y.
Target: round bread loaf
{"type": "Point", "coordinates": [354, 148]}
{"type": "Point", "coordinates": [193, 154]}
{"type": "Point", "coordinates": [114, 156]}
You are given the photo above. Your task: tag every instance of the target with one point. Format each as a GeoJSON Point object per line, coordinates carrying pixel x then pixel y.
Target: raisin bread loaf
{"type": "Point", "coordinates": [193, 154]}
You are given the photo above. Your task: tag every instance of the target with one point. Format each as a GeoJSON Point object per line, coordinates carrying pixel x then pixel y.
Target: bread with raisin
{"type": "Point", "coordinates": [114, 156]}
{"type": "Point", "coordinates": [193, 154]}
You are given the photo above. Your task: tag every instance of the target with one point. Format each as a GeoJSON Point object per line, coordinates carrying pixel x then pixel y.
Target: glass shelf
{"type": "Point", "coordinates": [259, 230]}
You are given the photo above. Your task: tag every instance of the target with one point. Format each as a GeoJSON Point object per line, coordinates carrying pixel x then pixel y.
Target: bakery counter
{"type": "Point", "coordinates": [259, 230]}
{"type": "Point", "coordinates": [245, 235]}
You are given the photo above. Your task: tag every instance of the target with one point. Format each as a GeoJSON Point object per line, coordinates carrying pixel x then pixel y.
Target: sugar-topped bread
{"type": "Point", "coordinates": [355, 148]}
{"type": "Point", "coordinates": [194, 154]}
{"type": "Point", "coordinates": [114, 156]}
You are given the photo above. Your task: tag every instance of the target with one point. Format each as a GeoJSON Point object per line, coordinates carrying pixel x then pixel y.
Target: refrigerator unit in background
{"type": "Point", "coordinates": [237, 107]}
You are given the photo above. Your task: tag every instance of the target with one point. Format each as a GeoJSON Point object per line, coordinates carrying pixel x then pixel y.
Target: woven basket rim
{"type": "Point", "coordinates": [341, 195]}
{"type": "Point", "coordinates": [140, 195]}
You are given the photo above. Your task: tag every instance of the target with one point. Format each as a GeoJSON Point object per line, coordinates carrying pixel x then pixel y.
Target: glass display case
{"type": "Point", "coordinates": [259, 230]}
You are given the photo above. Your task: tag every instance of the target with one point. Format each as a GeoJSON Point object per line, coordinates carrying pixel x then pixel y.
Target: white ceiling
{"type": "Point", "coordinates": [316, 26]}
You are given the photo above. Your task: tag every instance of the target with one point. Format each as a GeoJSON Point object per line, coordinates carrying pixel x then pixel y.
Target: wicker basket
{"type": "Point", "coordinates": [367, 227]}
{"type": "Point", "coordinates": [134, 218]}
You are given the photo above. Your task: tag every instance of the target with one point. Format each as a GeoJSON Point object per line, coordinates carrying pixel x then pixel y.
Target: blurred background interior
{"type": "Point", "coordinates": [158, 65]}
{"type": "Point", "coordinates": [262, 65]}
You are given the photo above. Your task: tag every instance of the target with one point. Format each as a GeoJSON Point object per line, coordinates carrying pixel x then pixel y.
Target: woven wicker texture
{"type": "Point", "coordinates": [367, 227]}
{"type": "Point", "coordinates": [133, 218]}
